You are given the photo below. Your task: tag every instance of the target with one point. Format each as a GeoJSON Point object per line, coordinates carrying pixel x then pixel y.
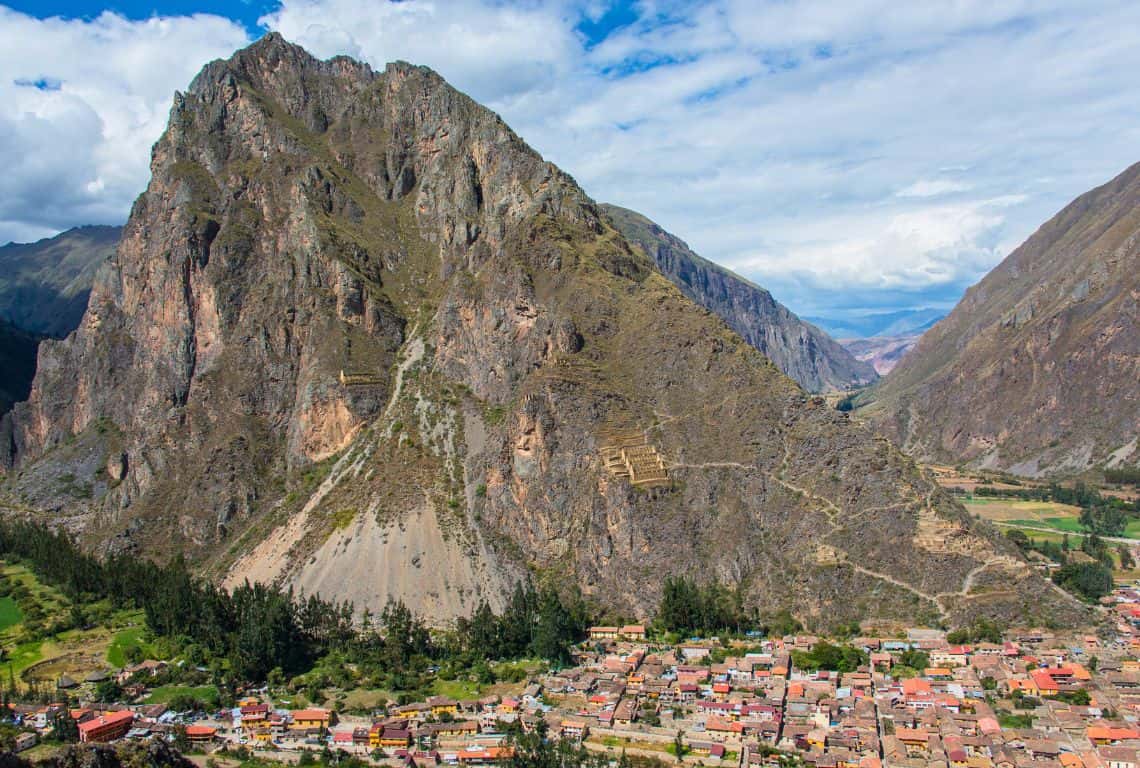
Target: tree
{"type": "Point", "coordinates": [824, 655]}
{"type": "Point", "coordinates": [108, 691]}
{"type": "Point", "coordinates": [915, 659]}
{"type": "Point", "coordinates": [554, 630]}
{"type": "Point", "coordinates": [181, 740]}
{"type": "Point", "coordinates": [1088, 580]}
{"type": "Point", "coordinates": [679, 745]}
{"type": "Point", "coordinates": [64, 727]}
{"type": "Point", "coordinates": [783, 623]}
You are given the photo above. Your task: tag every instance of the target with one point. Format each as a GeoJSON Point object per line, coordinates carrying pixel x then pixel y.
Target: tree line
{"type": "Point", "coordinates": [688, 607]}
{"type": "Point", "coordinates": [257, 630]}
{"type": "Point", "coordinates": [1090, 579]}
{"type": "Point", "coordinates": [1123, 476]}
{"type": "Point", "coordinates": [535, 623]}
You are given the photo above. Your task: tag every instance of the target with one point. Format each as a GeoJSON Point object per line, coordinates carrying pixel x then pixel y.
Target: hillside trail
{"type": "Point", "coordinates": [834, 515]}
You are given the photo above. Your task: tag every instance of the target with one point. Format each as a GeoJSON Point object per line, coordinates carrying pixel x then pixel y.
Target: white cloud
{"type": "Point", "coordinates": [933, 188]}
{"type": "Point", "coordinates": [493, 50]}
{"type": "Point", "coordinates": [83, 103]}
{"type": "Point", "coordinates": [857, 148]}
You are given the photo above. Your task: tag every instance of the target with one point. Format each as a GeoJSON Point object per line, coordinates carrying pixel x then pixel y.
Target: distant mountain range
{"type": "Point", "coordinates": [43, 293]}
{"type": "Point", "coordinates": [1037, 370]}
{"type": "Point", "coordinates": [44, 285]}
{"type": "Point", "coordinates": [903, 322]}
{"type": "Point", "coordinates": [881, 352]}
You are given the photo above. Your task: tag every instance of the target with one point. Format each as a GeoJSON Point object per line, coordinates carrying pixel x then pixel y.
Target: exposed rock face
{"type": "Point", "coordinates": [1036, 370]}
{"type": "Point", "coordinates": [805, 353]}
{"type": "Point", "coordinates": [154, 753]}
{"type": "Point", "coordinates": [351, 304]}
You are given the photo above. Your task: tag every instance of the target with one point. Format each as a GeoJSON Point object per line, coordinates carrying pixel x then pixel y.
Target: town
{"type": "Point", "coordinates": [926, 697]}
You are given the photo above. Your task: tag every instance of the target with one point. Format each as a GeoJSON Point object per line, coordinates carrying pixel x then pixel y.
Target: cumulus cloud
{"type": "Point", "coordinates": [844, 154]}
{"type": "Point", "coordinates": [494, 50]}
{"type": "Point", "coordinates": [84, 100]}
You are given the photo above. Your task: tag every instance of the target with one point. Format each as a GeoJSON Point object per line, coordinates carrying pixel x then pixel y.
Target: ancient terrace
{"type": "Point", "coordinates": [628, 454]}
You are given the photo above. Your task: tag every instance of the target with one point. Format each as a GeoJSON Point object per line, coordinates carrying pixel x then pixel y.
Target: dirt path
{"type": "Point", "coordinates": [834, 515]}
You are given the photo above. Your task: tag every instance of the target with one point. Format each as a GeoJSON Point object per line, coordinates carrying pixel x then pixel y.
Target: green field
{"type": "Point", "coordinates": [1011, 510]}
{"type": "Point", "coordinates": [1063, 518]}
{"type": "Point", "coordinates": [456, 689]}
{"type": "Point", "coordinates": [127, 638]}
{"type": "Point", "coordinates": [10, 613]}
{"type": "Point", "coordinates": [1062, 524]}
{"type": "Point", "coordinates": [207, 694]}
{"type": "Point", "coordinates": [35, 652]}
{"type": "Point", "coordinates": [24, 656]}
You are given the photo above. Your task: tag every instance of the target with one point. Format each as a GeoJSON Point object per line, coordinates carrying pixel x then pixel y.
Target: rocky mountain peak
{"type": "Point", "coordinates": [361, 339]}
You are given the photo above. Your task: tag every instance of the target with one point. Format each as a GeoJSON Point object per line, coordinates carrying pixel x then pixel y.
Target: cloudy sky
{"type": "Point", "coordinates": [850, 155]}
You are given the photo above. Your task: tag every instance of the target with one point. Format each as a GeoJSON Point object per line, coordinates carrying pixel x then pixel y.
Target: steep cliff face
{"type": "Point", "coordinates": [360, 338]}
{"type": "Point", "coordinates": [806, 354]}
{"type": "Point", "coordinates": [1036, 370]}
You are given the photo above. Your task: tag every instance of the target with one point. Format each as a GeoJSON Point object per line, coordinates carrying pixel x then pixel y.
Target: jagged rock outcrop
{"type": "Point", "coordinates": [1036, 370]}
{"type": "Point", "coordinates": [805, 353]}
{"type": "Point", "coordinates": [360, 338]}
{"type": "Point", "coordinates": [153, 753]}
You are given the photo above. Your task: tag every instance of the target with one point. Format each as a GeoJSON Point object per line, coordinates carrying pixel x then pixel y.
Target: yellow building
{"type": "Point", "coordinates": [441, 705]}
{"type": "Point", "coordinates": [311, 718]}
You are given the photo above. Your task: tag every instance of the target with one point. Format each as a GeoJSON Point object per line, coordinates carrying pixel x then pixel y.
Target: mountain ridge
{"type": "Point", "coordinates": [360, 339]}
{"type": "Point", "coordinates": [1035, 371]}
{"type": "Point", "coordinates": [802, 351]}
{"type": "Point", "coordinates": [44, 285]}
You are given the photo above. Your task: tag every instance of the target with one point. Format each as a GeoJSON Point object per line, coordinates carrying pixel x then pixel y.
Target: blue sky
{"type": "Point", "coordinates": [244, 12]}
{"type": "Point", "coordinates": [849, 155]}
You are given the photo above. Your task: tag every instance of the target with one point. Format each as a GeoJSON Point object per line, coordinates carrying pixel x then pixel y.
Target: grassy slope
{"type": "Point", "coordinates": [10, 613]}
{"type": "Point", "coordinates": [74, 651]}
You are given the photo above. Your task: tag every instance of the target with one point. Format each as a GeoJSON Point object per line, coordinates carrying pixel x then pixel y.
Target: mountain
{"type": "Point", "coordinates": [806, 354]}
{"type": "Point", "coordinates": [43, 292]}
{"type": "Point", "coordinates": [902, 322]}
{"type": "Point", "coordinates": [360, 339]}
{"type": "Point", "coordinates": [17, 365]}
{"type": "Point", "coordinates": [44, 285]}
{"type": "Point", "coordinates": [881, 352]}
{"type": "Point", "coordinates": [1036, 370]}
